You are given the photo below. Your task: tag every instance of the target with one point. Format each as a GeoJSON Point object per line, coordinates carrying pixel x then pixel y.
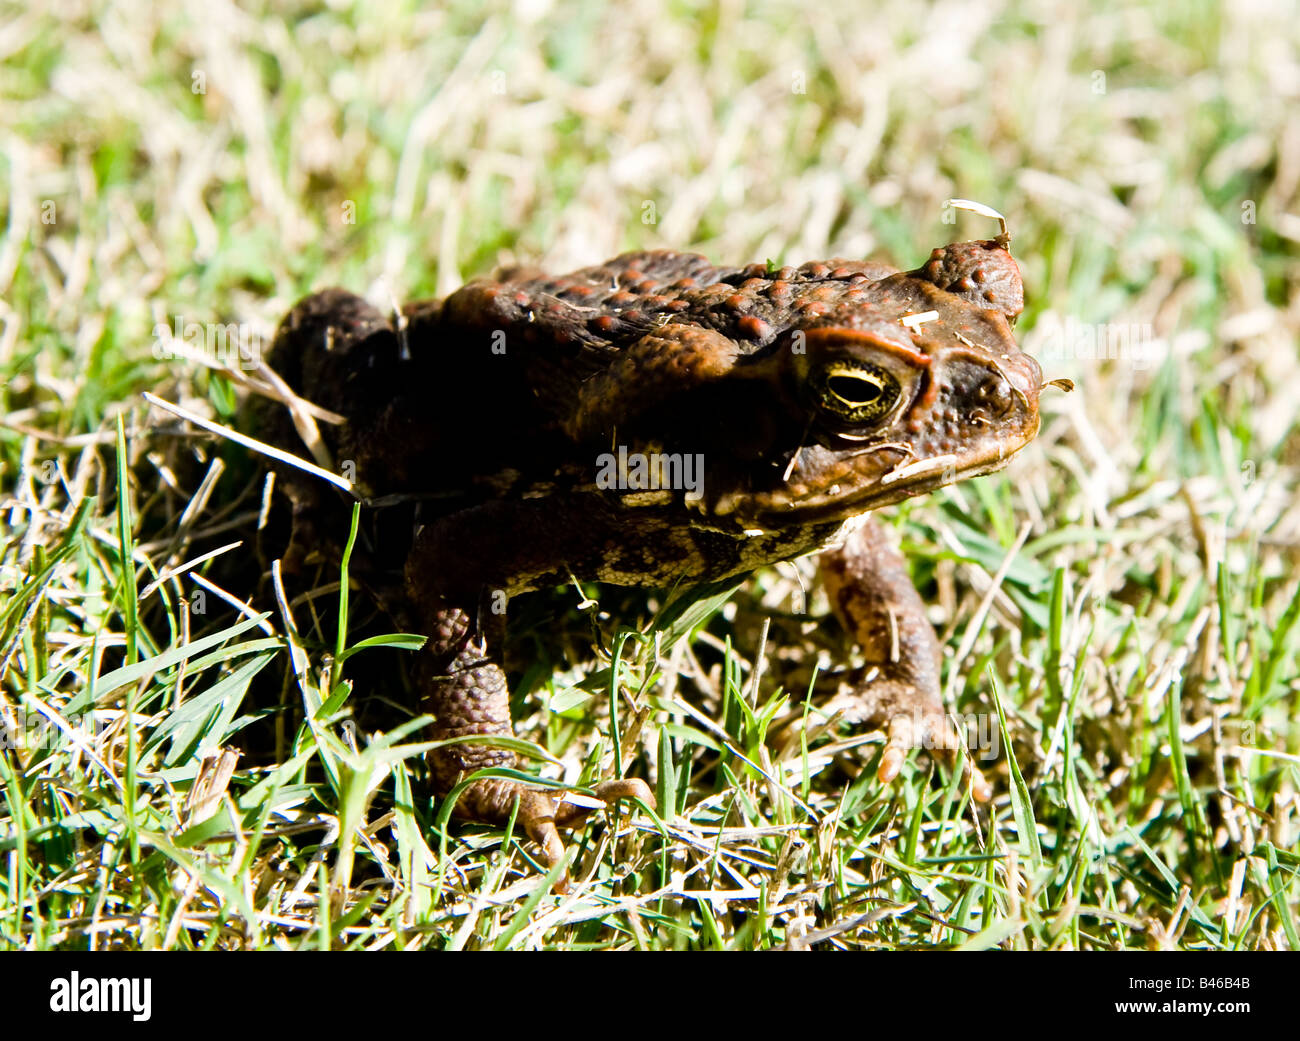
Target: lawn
{"type": "Point", "coordinates": [1118, 607]}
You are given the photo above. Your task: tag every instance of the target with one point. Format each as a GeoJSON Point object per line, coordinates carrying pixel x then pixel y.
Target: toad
{"type": "Point", "coordinates": [651, 421]}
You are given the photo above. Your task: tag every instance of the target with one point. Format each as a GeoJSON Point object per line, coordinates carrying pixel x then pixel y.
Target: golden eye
{"type": "Point", "coordinates": [856, 392]}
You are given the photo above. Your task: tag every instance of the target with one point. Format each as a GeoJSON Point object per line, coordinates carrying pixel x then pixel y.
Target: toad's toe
{"type": "Point", "coordinates": [540, 815]}
{"type": "Point", "coordinates": [933, 731]}
{"type": "Point", "coordinates": [631, 788]}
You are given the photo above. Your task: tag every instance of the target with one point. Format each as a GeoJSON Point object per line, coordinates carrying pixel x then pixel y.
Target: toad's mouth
{"type": "Point", "coordinates": [886, 474]}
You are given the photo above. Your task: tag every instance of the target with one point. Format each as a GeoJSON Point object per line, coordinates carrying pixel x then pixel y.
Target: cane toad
{"type": "Point", "coordinates": [651, 421]}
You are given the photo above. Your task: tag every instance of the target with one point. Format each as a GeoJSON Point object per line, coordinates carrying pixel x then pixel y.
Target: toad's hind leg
{"type": "Point", "coordinates": [465, 689]}
{"type": "Point", "coordinates": [872, 594]}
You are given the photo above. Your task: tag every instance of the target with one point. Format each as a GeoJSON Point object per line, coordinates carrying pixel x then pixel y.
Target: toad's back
{"type": "Point", "coordinates": [481, 384]}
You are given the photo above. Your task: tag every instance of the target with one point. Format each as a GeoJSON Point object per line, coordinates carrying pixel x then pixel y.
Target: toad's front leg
{"type": "Point", "coordinates": [463, 685]}
{"type": "Point", "coordinates": [465, 690]}
{"type": "Point", "coordinates": [898, 689]}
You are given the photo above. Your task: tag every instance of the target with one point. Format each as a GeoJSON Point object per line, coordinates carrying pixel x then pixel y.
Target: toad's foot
{"type": "Point", "coordinates": [466, 692]}
{"type": "Point", "coordinates": [898, 688]}
{"type": "Point", "coordinates": [493, 801]}
{"type": "Point", "coordinates": [911, 718]}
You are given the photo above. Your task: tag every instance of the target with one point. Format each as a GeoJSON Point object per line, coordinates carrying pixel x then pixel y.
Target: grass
{"type": "Point", "coordinates": [1119, 607]}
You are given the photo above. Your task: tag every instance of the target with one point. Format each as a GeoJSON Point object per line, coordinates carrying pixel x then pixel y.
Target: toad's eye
{"type": "Point", "coordinates": [855, 392]}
